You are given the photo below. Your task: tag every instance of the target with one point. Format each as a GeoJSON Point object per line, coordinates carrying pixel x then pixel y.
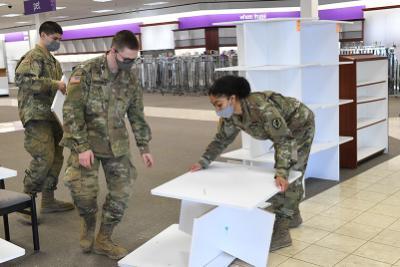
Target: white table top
{"type": "Point", "coordinates": [7, 173]}
{"type": "Point", "coordinates": [9, 251]}
{"type": "Point", "coordinates": [224, 184]}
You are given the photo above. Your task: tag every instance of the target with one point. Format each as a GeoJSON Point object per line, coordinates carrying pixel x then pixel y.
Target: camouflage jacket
{"type": "Point", "coordinates": [95, 108]}
{"type": "Point", "coordinates": [36, 76]}
{"type": "Point", "coordinates": [266, 115]}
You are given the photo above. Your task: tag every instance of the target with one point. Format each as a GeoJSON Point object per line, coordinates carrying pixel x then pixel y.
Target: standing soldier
{"type": "Point", "coordinates": [100, 93]}
{"type": "Point", "coordinates": [288, 123]}
{"type": "Point", "coordinates": [38, 76]}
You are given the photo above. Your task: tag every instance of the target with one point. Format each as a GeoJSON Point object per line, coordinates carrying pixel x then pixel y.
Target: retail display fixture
{"type": "Point", "coordinates": [297, 58]}
{"type": "Point", "coordinates": [219, 221]}
{"type": "Point", "coordinates": [352, 32]}
{"type": "Point", "coordinates": [365, 81]}
{"type": "Point", "coordinates": [210, 38]}
{"type": "Point", "coordinates": [4, 89]}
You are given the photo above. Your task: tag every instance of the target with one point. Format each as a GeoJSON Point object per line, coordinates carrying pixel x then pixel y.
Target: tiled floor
{"type": "Point", "coordinates": [356, 223]}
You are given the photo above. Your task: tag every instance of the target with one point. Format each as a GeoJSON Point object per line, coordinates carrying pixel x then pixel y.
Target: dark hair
{"type": "Point", "coordinates": [50, 27]}
{"type": "Point", "coordinates": [125, 39]}
{"type": "Point", "coordinates": [230, 85]}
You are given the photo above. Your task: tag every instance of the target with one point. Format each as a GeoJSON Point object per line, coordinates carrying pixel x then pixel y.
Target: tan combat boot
{"type": "Point", "coordinates": [280, 236]}
{"type": "Point", "coordinates": [104, 246]}
{"type": "Point", "coordinates": [50, 204]}
{"type": "Point", "coordinates": [296, 220]}
{"type": "Point", "coordinates": [88, 226]}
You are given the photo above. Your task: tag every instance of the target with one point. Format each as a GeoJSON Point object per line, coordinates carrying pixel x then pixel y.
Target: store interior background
{"type": "Point", "coordinates": [178, 139]}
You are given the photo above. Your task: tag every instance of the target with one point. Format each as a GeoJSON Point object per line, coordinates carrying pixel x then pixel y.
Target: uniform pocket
{"type": "Point", "coordinates": [37, 137]}
{"type": "Point", "coordinates": [95, 102]}
{"type": "Point", "coordinates": [73, 174]}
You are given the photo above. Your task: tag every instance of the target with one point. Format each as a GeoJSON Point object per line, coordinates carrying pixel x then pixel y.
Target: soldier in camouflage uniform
{"type": "Point", "coordinates": [285, 121]}
{"type": "Point", "coordinates": [38, 76]}
{"type": "Point", "coordinates": [100, 93]}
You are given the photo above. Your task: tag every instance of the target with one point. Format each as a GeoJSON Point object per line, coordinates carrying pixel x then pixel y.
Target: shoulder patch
{"type": "Point", "coordinates": [276, 123]}
{"type": "Point", "coordinates": [76, 75]}
{"type": "Point", "coordinates": [75, 79]}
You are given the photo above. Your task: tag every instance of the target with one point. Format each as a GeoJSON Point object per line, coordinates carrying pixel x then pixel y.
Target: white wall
{"type": "Point", "coordinates": [158, 37]}
{"type": "Point", "coordinates": [382, 26]}
{"type": "Point", "coordinates": [14, 51]}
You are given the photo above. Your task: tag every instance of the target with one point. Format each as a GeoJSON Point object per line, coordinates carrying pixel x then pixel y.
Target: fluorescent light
{"type": "Point", "coordinates": [103, 10]}
{"type": "Point", "coordinates": [2, 4]}
{"type": "Point", "coordinates": [11, 15]}
{"type": "Point", "coordinates": [61, 7]}
{"type": "Point", "coordinates": [102, 1]}
{"type": "Point", "coordinates": [22, 22]}
{"type": "Point", "coordinates": [156, 3]}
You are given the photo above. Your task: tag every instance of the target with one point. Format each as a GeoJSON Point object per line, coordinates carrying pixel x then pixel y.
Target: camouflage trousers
{"type": "Point", "coordinates": [84, 186]}
{"type": "Point", "coordinates": [42, 140]}
{"type": "Point", "coordinates": [284, 204]}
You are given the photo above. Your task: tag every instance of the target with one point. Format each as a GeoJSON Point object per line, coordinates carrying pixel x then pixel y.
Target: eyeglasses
{"type": "Point", "coordinates": [126, 60]}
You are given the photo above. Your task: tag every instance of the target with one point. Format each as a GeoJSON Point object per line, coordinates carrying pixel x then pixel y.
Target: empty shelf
{"type": "Point", "coordinates": [244, 154]}
{"type": "Point", "coordinates": [345, 139]}
{"type": "Point", "coordinates": [345, 101]}
{"type": "Point", "coordinates": [368, 83]}
{"type": "Point", "coordinates": [329, 105]}
{"type": "Point", "coordinates": [366, 122]}
{"type": "Point", "coordinates": [369, 99]}
{"type": "Point", "coordinates": [365, 152]}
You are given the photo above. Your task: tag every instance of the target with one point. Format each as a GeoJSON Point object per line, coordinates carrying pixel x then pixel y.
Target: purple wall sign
{"type": "Point", "coordinates": [39, 6]}
{"type": "Point", "coordinates": [348, 13]}
{"type": "Point", "coordinates": [105, 31]}
{"type": "Point", "coordinates": [15, 37]}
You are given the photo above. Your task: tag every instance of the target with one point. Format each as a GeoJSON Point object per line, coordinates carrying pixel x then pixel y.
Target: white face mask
{"type": "Point", "coordinates": [227, 112]}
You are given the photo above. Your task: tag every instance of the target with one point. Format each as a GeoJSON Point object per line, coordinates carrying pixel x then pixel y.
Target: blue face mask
{"type": "Point", "coordinates": [226, 112]}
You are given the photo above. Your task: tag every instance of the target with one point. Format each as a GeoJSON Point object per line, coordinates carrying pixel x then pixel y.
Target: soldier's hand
{"type": "Point", "coordinates": [281, 183]}
{"type": "Point", "coordinates": [86, 159]}
{"type": "Point", "coordinates": [62, 87]}
{"type": "Point", "coordinates": [148, 160]}
{"type": "Point", "coordinates": [196, 167]}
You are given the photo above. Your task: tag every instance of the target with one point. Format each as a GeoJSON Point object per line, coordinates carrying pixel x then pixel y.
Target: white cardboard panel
{"type": "Point", "coordinates": [245, 234]}
{"type": "Point", "coordinates": [190, 211]}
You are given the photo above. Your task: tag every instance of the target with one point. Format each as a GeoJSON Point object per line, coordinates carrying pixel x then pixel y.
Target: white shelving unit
{"type": "Point", "coordinates": [297, 58]}
{"type": "Point", "coordinates": [372, 107]}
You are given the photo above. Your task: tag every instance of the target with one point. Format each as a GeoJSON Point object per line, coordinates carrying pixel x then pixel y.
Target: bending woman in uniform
{"type": "Point", "coordinates": [285, 121]}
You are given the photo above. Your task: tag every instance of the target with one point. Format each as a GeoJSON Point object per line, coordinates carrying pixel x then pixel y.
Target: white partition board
{"type": "Point", "coordinates": [224, 184]}
{"type": "Point", "coordinates": [244, 234]}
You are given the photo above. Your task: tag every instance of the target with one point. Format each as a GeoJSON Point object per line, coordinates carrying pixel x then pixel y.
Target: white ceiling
{"type": "Point", "coordinates": [80, 11]}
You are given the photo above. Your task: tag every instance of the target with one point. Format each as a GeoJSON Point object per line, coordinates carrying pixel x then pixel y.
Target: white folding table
{"type": "Point", "coordinates": [9, 251]}
{"type": "Point", "coordinates": [220, 219]}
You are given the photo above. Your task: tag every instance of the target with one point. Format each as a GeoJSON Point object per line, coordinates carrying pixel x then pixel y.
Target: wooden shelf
{"type": "Point", "coordinates": [369, 99]}
{"type": "Point", "coordinates": [365, 152]}
{"type": "Point", "coordinates": [369, 83]}
{"type": "Point", "coordinates": [367, 122]}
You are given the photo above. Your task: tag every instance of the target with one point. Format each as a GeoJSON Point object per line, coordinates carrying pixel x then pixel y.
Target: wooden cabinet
{"type": "Point", "coordinates": [365, 80]}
